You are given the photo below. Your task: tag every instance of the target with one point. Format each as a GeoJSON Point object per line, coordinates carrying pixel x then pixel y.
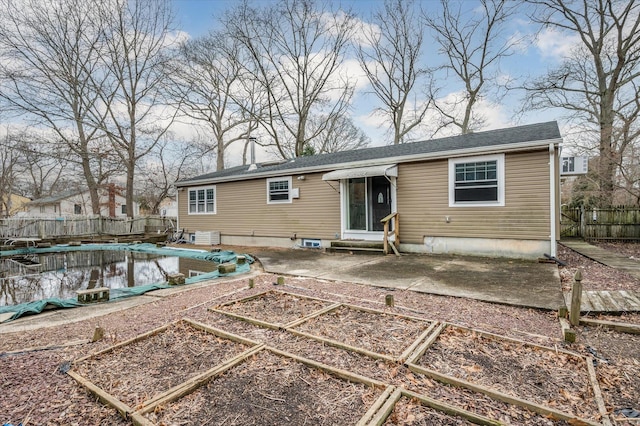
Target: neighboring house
{"type": "Point", "coordinates": [168, 208]}
{"type": "Point", "coordinates": [14, 204]}
{"type": "Point", "coordinates": [78, 202]}
{"type": "Point", "coordinates": [490, 193]}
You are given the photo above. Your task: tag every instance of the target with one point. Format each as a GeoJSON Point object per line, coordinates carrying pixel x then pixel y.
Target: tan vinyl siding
{"type": "Point", "coordinates": [242, 210]}
{"type": "Point", "coordinates": [423, 202]}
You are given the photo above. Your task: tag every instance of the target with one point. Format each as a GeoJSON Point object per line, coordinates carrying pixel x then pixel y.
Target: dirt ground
{"type": "Point", "coordinates": [37, 391]}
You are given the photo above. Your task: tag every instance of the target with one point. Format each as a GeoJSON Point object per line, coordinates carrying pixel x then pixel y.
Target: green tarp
{"type": "Point", "coordinates": [119, 293]}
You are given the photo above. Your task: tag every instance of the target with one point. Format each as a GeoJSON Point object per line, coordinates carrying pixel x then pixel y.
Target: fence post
{"type": "Point", "coordinates": [576, 299]}
{"type": "Point", "coordinates": [41, 233]}
{"type": "Point", "coordinates": [583, 223]}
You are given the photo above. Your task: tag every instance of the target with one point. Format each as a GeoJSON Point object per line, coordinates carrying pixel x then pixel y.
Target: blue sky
{"type": "Point", "coordinates": [196, 17]}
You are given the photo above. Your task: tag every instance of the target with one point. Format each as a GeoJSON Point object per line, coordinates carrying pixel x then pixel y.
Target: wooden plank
{"type": "Point", "coordinates": [413, 358]}
{"type": "Point", "coordinates": [568, 333]}
{"type": "Point", "coordinates": [633, 299]}
{"type": "Point", "coordinates": [536, 408]}
{"type": "Point", "coordinates": [337, 372]}
{"type": "Point", "coordinates": [105, 397]}
{"type": "Point", "coordinates": [618, 326]}
{"type": "Point", "coordinates": [597, 303]}
{"type": "Point", "coordinates": [620, 300]}
{"type": "Point", "coordinates": [317, 313]}
{"type": "Point", "coordinates": [586, 305]}
{"type": "Point", "coordinates": [128, 341]}
{"type": "Point", "coordinates": [341, 345]}
{"type": "Point", "coordinates": [405, 355]}
{"type": "Point", "coordinates": [248, 319]}
{"type": "Point", "coordinates": [386, 408]}
{"type": "Point", "coordinates": [610, 303]}
{"type": "Point", "coordinates": [451, 410]}
{"type": "Point", "coordinates": [220, 333]}
{"type": "Point", "coordinates": [365, 420]}
{"type": "Point", "coordinates": [596, 392]}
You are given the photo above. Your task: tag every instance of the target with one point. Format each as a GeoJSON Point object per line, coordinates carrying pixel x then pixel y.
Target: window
{"type": "Point", "coordinates": [123, 209]}
{"type": "Point", "coordinates": [279, 190]}
{"type": "Point", "coordinates": [476, 181]}
{"type": "Point", "coordinates": [202, 200]}
{"type": "Point", "coordinates": [77, 209]}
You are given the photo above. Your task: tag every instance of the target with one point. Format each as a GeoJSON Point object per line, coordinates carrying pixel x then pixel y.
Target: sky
{"type": "Point", "coordinates": [197, 17]}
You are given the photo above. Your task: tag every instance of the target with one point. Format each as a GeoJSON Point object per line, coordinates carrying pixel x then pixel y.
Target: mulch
{"type": "Point", "coordinates": [264, 386]}
{"type": "Point", "coordinates": [270, 390]}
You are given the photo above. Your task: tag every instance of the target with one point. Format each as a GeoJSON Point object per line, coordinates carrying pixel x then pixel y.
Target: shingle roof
{"type": "Point", "coordinates": [492, 138]}
{"type": "Point", "coordinates": [57, 197]}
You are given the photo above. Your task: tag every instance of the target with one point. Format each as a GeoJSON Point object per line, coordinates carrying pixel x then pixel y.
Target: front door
{"type": "Point", "coordinates": [368, 201]}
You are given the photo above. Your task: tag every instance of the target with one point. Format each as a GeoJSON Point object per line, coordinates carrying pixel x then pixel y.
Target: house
{"type": "Point", "coordinates": [12, 205]}
{"type": "Point", "coordinates": [492, 193]}
{"type": "Point", "coordinates": [78, 203]}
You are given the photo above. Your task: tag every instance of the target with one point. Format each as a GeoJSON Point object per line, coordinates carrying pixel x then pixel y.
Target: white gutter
{"type": "Point", "coordinates": [514, 147]}
{"type": "Point", "coordinates": [552, 192]}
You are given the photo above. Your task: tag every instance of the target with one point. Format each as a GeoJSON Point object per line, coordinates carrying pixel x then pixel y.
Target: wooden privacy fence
{"type": "Point", "coordinates": [23, 227]}
{"type": "Point", "coordinates": [613, 223]}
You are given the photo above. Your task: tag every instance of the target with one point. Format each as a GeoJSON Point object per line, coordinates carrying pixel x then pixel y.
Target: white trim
{"type": "Point", "coordinates": [202, 188]}
{"type": "Point", "coordinates": [486, 150]}
{"type": "Point", "coordinates": [499, 159]}
{"type": "Point", "coordinates": [362, 234]}
{"type": "Point", "coordinates": [389, 170]}
{"type": "Point", "coordinates": [552, 198]}
{"type": "Point", "coordinates": [289, 199]}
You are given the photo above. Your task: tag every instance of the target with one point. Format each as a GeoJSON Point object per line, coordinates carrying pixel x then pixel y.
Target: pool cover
{"type": "Point", "coordinates": [38, 306]}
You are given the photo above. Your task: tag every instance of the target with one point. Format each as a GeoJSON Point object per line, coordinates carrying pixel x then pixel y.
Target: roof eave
{"type": "Point", "coordinates": [492, 149]}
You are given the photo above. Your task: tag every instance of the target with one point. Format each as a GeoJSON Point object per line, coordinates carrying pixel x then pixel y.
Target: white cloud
{"type": "Point", "coordinates": [556, 45]}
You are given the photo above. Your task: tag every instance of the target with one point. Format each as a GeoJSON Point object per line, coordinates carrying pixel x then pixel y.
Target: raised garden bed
{"type": "Point", "coordinates": [273, 308]}
{"type": "Point", "coordinates": [268, 388]}
{"type": "Point", "coordinates": [547, 377]}
{"type": "Point", "coordinates": [136, 371]}
{"type": "Point", "coordinates": [374, 332]}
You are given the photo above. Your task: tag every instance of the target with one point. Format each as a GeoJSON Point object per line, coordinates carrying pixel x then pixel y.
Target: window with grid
{"type": "Point", "coordinates": [202, 200]}
{"type": "Point", "coordinates": [477, 181]}
{"type": "Point", "coordinates": [279, 190]}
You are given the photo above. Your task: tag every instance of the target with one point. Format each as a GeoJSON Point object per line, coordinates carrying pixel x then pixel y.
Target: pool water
{"type": "Point", "coordinates": [59, 275]}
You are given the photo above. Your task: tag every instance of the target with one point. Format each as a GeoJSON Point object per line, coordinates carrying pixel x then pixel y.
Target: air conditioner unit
{"type": "Point", "coordinates": [574, 166]}
{"type": "Point", "coordinates": [207, 238]}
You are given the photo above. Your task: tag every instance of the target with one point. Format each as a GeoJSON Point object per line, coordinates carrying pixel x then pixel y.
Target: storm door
{"type": "Point", "coordinates": [368, 202]}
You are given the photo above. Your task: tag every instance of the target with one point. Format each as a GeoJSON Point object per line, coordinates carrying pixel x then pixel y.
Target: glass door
{"type": "Point", "coordinates": [368, 202]}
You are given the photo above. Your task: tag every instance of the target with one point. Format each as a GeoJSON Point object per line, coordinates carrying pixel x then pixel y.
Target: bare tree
{"type": "Point", "coordinates": [168, 162]}
{"type": "Point", "coordinates": [340, 135]}
{"type": "Point", "coordinates": [598, 82]}
{"type": "Point", "coordinates": [10, 159]}
{"type": "Point", "coordinates": [207, 83]}
{"type": "Point", "coordinates": [45, 168]}
{"type": "Point", "coordinates": [473, 43]}
{"type": "Point", "coordinates": [296, 49]}
{"type": "Point", "coordinates": [136, 49]}
{"type": "Point", "coordinates": [50, 69]}
{"type": "Point", "coordinates": [390, 53]}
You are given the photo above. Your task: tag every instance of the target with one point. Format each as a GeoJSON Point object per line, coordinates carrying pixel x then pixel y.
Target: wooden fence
{"type": "Point", "coordinates": [613, 223]}
{"type": "Point", "coordinates": [23, 227]}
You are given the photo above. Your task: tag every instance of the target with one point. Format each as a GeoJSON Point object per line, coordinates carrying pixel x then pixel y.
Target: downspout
{"type": "Point", "coordinates": [552, 192]}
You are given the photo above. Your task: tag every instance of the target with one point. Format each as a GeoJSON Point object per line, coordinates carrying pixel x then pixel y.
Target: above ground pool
{"type": "Point", "coordinates": [38, 278]}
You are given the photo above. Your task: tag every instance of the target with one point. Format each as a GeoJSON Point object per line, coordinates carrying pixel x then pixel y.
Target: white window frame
{"type": "Point", "coordinates": [205, 189]}
{"type": "Point", "coordinates": [499, 159]}
{"type": "Point", "coordinates": [289, 181]}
